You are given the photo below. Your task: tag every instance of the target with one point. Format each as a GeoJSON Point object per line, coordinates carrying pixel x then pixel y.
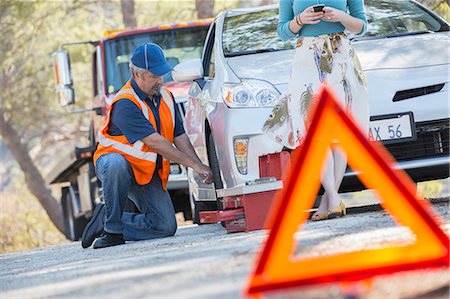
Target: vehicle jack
{"type": "Point", "coordinates": [246, 207]}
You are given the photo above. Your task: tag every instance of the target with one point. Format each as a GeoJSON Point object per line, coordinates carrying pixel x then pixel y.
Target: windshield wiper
{"type": "Point", "coordinates": [249, 52]}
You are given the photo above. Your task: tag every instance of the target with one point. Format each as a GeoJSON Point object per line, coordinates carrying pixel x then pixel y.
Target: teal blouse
{"type": "Point", "coordinates": [291, 8]}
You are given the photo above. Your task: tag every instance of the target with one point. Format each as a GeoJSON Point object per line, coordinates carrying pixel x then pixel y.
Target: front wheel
{"type": "Point", "coordinates": [215, 169]}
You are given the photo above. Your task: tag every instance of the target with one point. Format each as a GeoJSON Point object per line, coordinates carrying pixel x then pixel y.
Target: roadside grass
{"type": "Point", "coordinates": [24, 223]}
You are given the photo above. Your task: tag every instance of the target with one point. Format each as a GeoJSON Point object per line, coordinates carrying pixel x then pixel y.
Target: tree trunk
{"type": "Point", "coordinates": [33, 178]}
{"type": "Point", "coordinates": [128, 15]}
{"type": "Point", "coordinates": [205, 8]}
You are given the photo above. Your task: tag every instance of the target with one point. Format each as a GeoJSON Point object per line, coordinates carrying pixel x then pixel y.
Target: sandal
{"type": "Point", "coordinates": [338, 211]}
{"type": "Point", "coordinates": [319, 216]}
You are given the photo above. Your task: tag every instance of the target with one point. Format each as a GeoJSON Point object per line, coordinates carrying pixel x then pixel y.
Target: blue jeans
{"type": "Point", "coordinates": [158, 216]}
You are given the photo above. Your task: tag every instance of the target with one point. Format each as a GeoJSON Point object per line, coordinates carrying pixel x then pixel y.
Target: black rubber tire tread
{"type": "Point", "coordinates": [72, 232]}
{"type": "Point", "coordinates": [92, 141]}
{"type": "Point", "coordinates": [214, 165]}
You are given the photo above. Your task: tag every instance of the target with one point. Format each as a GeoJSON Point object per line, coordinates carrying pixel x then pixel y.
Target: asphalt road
{"type": "Point", "coordinates": [206, 262]}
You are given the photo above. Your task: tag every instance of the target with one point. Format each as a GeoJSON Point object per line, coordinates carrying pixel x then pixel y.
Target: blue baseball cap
{"type": "Point", "coordinates": [151, 57]}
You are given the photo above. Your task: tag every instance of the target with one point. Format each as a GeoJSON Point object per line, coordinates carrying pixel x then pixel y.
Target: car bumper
{"type": "Point", "coordinates": [432, 168]}
{"type": "Point", "coordinates": [227, 126]}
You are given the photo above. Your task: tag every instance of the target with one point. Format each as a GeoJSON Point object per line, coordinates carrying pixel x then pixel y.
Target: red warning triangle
{"type": "Point", "coordinates": [278, 268]}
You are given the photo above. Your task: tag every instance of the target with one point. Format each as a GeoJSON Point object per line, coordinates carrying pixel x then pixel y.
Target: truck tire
{"type": "Point", "coordinates": [215, 169]}
{"type": "Point", "coordinates": [73, 226]}
{"type": "Point", "coordinates": [92, 141]}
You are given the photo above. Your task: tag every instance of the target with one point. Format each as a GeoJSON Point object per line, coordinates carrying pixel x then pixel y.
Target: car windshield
{"type": "Point", "coordinates": [179, 45]}
{"type": "Point", "coordinates": [256, 32]}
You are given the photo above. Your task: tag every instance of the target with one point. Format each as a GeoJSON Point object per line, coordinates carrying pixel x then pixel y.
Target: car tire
{"type": "Point", "coordinates": [73, 226]}
{"type": "Point", "coordinates": [214, 165]}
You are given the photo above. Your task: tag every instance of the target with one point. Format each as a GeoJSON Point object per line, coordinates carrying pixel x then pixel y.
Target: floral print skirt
{"type": "Point", "coordinates": [319, 60]}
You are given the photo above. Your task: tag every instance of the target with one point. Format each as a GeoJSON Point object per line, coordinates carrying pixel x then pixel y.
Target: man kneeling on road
{"type": "Point", "coordinates": [133, 156]}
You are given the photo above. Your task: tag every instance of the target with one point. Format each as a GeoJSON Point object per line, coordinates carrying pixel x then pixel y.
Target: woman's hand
{"type": "Point", "coordinates": [333, 15]}
{"type": "Point", "coordinates": [308, 16]}
{"type": "Point", "coordinates": [350, 23]}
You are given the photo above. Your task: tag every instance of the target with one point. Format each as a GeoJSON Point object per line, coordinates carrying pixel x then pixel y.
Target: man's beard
{"type": "Point", "coordinates": [157, 87]}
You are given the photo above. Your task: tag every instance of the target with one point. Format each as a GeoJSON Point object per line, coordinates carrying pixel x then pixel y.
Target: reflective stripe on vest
{"type": "Point", "coordinates": [141, 104]}
{"type": "Point", "coordinates": [134, 150]}
{"type": "Point", "coordinates": [170, 102]}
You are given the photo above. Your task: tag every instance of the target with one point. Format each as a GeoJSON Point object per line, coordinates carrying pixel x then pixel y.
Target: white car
{"type": "Point", "coordinates": [245, 68]}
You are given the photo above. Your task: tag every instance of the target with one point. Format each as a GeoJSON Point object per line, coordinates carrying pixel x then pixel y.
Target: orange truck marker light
{"type": "Point", "coordinates": [277, 267]}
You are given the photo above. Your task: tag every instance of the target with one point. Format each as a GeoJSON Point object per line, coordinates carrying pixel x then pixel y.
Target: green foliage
{"type": "Point", "coordinates": [149, 13]}
{"type": "Point", "coordinates": [30, 32]}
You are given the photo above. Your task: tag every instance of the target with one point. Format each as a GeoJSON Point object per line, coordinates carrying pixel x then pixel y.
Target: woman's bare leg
{"type": "Point", "coordinates": [340, 165]}
{"type": "Point", "coordinates": [328, 183]}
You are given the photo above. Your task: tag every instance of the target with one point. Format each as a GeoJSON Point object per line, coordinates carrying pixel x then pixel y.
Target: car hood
{"type": "Point", "coordinates": [404, 52]}
{"type": "Point", "coordinates": [388, 53]}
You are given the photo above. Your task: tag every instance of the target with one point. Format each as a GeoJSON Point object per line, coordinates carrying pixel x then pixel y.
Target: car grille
{"type": "Point", "coordinates": [432, 140]}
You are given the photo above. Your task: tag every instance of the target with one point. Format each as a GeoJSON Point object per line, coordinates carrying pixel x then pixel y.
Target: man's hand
{"type": "Point", "coordinates": [204, 172]}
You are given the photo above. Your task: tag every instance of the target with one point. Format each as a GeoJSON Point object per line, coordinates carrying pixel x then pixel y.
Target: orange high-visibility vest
{"type": "Point", "coordinates": [141, 157]}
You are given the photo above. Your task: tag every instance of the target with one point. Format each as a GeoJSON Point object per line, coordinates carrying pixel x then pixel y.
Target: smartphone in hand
{"type": "Point", "coordinates": [318, 7]}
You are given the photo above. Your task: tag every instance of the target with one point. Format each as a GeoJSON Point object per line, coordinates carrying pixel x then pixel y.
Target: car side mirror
{"type": "Point", "coordinates": [63, 78]}
{"type": "Point", "coordinates": [188, 71]}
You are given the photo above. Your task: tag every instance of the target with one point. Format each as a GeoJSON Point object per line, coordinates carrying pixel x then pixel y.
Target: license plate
{"type": "Point", "coordinates": [392, 127]}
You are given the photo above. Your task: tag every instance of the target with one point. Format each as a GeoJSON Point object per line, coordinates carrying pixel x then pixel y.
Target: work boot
{"type": "Point", "coordinates": [94, 228]}
{"type": "Point", "coordinates": [108, 239]}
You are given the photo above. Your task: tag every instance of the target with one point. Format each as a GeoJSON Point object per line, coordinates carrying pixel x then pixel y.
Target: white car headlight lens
{"type": "Point", "coordinates": [250, 93]}
{"type": "Point", "coordinates": [243, 97]}
{"type": "Point", "coordinates": [266, 97]}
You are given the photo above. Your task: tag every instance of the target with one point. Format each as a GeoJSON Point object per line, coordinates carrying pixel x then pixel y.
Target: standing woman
{"type": "Point", "coordinates": [323, 56]}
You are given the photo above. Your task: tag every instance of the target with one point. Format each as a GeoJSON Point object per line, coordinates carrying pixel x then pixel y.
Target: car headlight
{"type": "Point", "coordinates": [250, 93]}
